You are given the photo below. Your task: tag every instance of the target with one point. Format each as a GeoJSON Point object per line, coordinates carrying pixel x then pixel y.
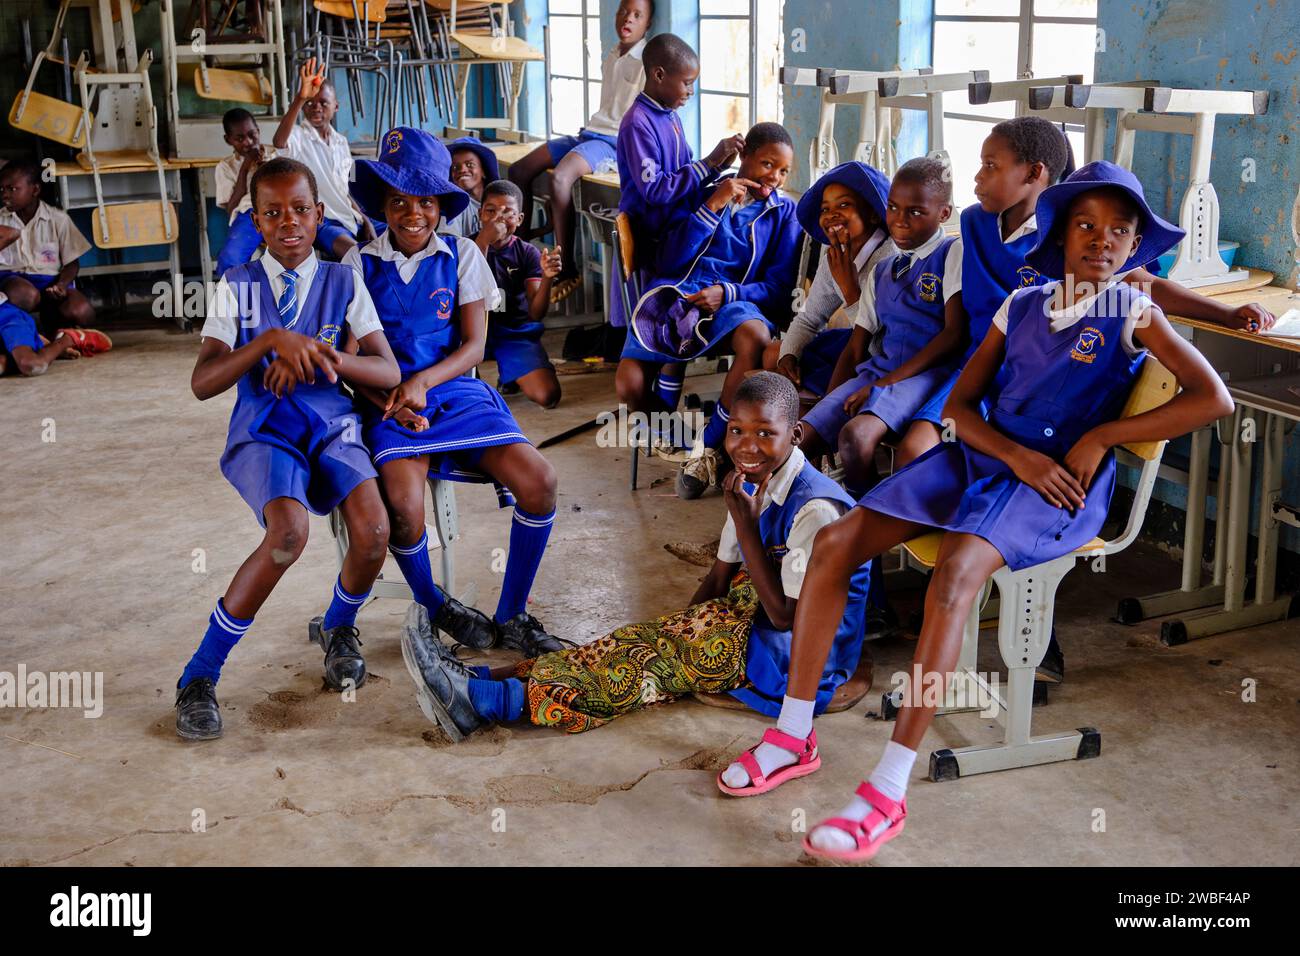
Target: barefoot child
{"type": "Point", "coordinates": [734, 637]}
{"type": "Point", "coordinates": [327, 154]}
{"type": "Point", "coordinates": [1029, 485]}
{"type": "Point", "coordinates": [727, 269]}
{"type": "Point", "coordinates": [431, 293]}
{"type": "Point", "coordinates": [622, 77]}
{"type": "Point", "coordinates": [294, 443]}
{"type": "Point", "coordinates": [473, 166]}
{"type": "Point", "coordinates": [232, 175]}
{"type": "Point", "coordinates": [845, 212]}
{"type": "Point", "coordinates": [523, 275]}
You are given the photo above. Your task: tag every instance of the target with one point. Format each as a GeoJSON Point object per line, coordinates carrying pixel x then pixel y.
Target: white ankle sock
{"type": "Point", "coordinates": [796, 719]}
{"type": "Point", "coordinates": [890, 778]}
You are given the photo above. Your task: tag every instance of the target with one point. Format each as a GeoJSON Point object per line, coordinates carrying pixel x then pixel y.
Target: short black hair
{"type": "Point", "coordinates": [929, 172]}
{"type": "Point", "coordinates": [769, 388]}
{"type": "Point", "coordinates": [1035, 140]}
{"type": "Point", "coordinates": [764, 134]}
{"type": "Point", "coordinates": [504, 187]}
{"type": "Point", "coordinates": [278, 167]}
{"type": "Point", "coordinates": [237, 115]}
{"type": "Point", "coordinates": [27, 167]}
{"type": "Point", "coordinates": [648, 3]}
{"type": "Point", "coordinates": [669, 51]}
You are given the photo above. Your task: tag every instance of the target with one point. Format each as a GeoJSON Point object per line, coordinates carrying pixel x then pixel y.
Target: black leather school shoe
{"type": "Point", "coordinates": [465, 625]}
{"type": "Point", "coordinates": [524, 633]}
{"type": "Point", "coordinates": [343, 660]}
{"type": "Point", "coordinates": [441, 684]}
{"type": "Point", "coordinates": [198, 715]}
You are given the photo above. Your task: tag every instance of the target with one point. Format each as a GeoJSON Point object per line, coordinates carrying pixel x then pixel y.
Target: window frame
{"type": "Point", "coordinates": [586, 17]}
{"type": "Point", "coordinates": [751, 95]}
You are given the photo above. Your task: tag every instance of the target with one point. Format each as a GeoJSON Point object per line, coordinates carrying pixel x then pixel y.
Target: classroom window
{"type": "Point", "coordinates": [739, 55]}
{"type": "Point", "coordinates": [573, 83]}
{"type": "Point", "coordinates": [1012, 39]}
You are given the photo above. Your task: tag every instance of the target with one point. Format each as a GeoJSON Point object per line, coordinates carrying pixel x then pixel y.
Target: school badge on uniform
{"type": "Point", "coordinates": [442, 299]}
{"type": "Point", "coordinates": [1029, 276]}
{"type": "Point", "coordinates": [330, 335]}
{"type": "Point", "coordinates": [1090, 342]}
{"type": "Point", "coordinates": [929, 285]}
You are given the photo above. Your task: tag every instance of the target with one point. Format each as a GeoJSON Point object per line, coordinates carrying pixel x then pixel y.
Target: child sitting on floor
{"type": "Point", "coordinates": [524, 275]}
{"type": "Point", "coordinates": [473, 165]}
{"type": "Point", "coordinates": [733, 638]}
{"type": "Point", "coordinates": [431, 292]}
{"type": "Point", "coordinates": [1030, 484]}
{"type": "Point", "coordinates": [294, 443]}
{"type": "Point", "coordinates": [232, 174]}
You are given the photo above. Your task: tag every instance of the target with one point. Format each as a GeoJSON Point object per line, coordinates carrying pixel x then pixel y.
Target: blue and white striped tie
{"type": "Point", "coordinates": [902, 263]}
{"type": "Point", "coordinates": [288, 304]}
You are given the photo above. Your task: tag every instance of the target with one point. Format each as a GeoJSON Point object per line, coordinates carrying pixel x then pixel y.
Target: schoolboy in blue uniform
{"type": "Point", "coordinates": [524, 275]}
{"type": "Point", "coordinates": [431, 293]}
{"type": "Point", "coordinates": [21, 345]}
{"type": "Point", "coordinates": [726, 274]}
{"type": "Point", "coordinates": [232, 175]}
{"type": "Point", "coordinates": [294, 443]}
{"type": "Point", "coordinates": [1012, 490]}
{"type": "Point", "coordinates": [907, 330]}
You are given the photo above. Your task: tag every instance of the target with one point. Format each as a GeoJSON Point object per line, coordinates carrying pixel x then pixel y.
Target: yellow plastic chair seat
{"type": "Point", "coordinates": [236, 86]}
{"type": "Point", "coordinates": [115, 159]}
{"type": "Point", "coordinates": [50, 118]}
{"type": "Point", "coordinates": [925, 548]}
{"type": "Point", "coordinates": [496, 48]}
{"type": "Point", "coordinates": [135, 224]}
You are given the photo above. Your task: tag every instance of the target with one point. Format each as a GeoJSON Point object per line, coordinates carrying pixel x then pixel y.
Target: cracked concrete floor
{"type": "Point", "coordinates": [97, 574]}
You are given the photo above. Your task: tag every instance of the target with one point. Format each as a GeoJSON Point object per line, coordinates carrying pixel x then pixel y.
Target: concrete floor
{"type": "Point", "coordinates": [100, 529]}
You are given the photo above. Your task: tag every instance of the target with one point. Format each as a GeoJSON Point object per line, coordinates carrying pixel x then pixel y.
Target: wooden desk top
{"type": "Point", "coordinates": [512, 152]}
{"type": "Point", "coordinates": [71, 168]}
{"type": "Point", "coordinates": [1277, 299]}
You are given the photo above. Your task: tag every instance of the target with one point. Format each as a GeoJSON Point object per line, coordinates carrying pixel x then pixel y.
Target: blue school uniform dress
{"type": "Point", "coordinates": [767, 657]}
{"type": "Point", "coordinates": [17, 329]}
{"type": "Point", "coordinates": [307, 445]}
{"type": "Point", "coordinates": [991, 270]}
{"type": "Point", "coordinates": [465, 414]}
{"type": "Point", "coordinates": [514, 340]}
{"type": "Point", "coordinates": [911, 292]}
{"type": "Point", "coordinates": [750, 250]}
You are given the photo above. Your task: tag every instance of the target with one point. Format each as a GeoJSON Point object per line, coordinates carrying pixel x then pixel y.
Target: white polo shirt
{"type": "Point", "coordinates": [223, 307]}
{"type": "Point", "coordinates": [474, 279]}
{"type": "Point", "coordinates": [331, 163]}
{"type": "Point", "coordinates": [47, 244]}
{"type": "Point", "coordinates": [621, 79]}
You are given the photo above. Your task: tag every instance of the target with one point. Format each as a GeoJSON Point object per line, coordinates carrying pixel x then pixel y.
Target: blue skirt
{"type": "Point", "coordinates": [895, 405]}
{"type": "Point", "coordinates": [466, 415]}
{"type": "Point", "coordinates": [817, 361]}
{"type": "Point", "coordinates": [517, 351]}
{"type": "Point", "coordinates": [956, 488]}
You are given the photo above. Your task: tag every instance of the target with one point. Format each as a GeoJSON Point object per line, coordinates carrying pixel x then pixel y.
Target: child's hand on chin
{"type": "Point", "coordinates": [742, 506]}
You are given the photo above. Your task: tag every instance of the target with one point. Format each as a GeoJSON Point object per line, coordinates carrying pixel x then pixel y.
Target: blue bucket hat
{"type": "Point", "coordinates": [867, 181]}
{"type": "Point", "coordinates": [1158, 236]}
{"type": "Point", "coordinates": [491, 172]}
{"type": "Point", "coordinates": [412, 162]}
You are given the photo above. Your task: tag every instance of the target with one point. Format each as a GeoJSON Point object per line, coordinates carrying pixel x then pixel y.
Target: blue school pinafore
{"type": "Point", "coordinates": [911, 312]}
{"type": "Point", "coordinates": [990, 271]}
{"type": "Point", "coordinates": [306, 445]}
{"type": "Point", "coordinates": [465, 414]}
{"type": "Point", "coordinates": [1058, 386]}
{"type": "Point", "coordinates": [767, 657]}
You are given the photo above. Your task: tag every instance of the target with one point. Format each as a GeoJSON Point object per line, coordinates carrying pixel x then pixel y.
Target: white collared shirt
{"type": "Point", "coordinates": [331, 163]}
{"type": "Point", "coordinates": [1061, 319]}
{"type": "Point", "coordinates": [47, 244]}
{"type": "Point", "coordinates": [811, 518]}
{"type": "Point", "coordinates": [621, 79]}
{"type": "Point", "coordinates": [466, 222]}
{"type": "Point", "coordinates": [825, 300]}
{"type": "Point", "coordinates": [867, 317]}
{"type": "Point", "coordinates": [474, 279]}
{"type": "Point", "coordinates": [1024, 229]}
{"type": "Point", "coordinates": [227, 174]}
{"type": "Point", "coordinates": [223, 307]}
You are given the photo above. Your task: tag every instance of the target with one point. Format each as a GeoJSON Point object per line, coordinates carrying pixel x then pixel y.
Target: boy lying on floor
{"type": "Point", "coordinates": [734, 637]}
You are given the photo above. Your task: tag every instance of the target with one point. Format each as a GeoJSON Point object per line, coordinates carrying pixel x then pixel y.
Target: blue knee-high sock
{"type": "Point", "coordinates": [716, 429]}
{"type": "Point", "coordinates": [668, 385]}
{"type": "Point", "coordinates": [413, 561]}
{"type": "Point", "coordinates": [343, 606]}
{"type": "Point", "coordinates": [224, 632]}
{"type": "Point", "coordinates": [528, 536]}
{"type": "Point", "coordinates": [501, 700]}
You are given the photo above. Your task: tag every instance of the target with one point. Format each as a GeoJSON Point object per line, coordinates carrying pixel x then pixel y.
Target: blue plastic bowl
{"type": "Point", "coordinates": [1227, 252]}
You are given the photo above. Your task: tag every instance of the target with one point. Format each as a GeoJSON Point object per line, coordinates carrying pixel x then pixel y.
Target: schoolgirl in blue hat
{"type": "Point", "coordinates": [1031, 483]}
{"type": "Point", "coordinates": [845, 212]}
{"type": "Point", "coordinates": [432, 293]}
{"type": "Point", "coordinates": [473, 166]}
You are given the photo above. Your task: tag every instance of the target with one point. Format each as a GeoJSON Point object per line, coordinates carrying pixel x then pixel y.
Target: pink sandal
{"type": "Point", "coordinates": [806, 750]}
{"type": "Point", "coordinates": [882, 810]}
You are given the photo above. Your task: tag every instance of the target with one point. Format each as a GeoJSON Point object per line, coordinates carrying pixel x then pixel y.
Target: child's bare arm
{"type": "Point", "coordinates": [716, 582]}
{"type": "Point", "coordinates": [1202, 399]}
{"type": "Point", "coordinates": [855, 350]}
{"type": "Point", "coordinates": [373, 367]}
{"type": "Point", "coordinates": [763, 571]}
{"type": "Point", "coordinates": [473, 336]}
{"type": "Point", "coordinates": [310, 78]}
{"type": "Point", "coordinates": [1174, 299]}
{"type": "Point", "coordinates": [240, 189]}
{"type": "Point", "coordinates": [8, 236]}
{"type": "Point", "coordinates": [538, 290]}
{"type": "Point", "coordinates": [218, 366]}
